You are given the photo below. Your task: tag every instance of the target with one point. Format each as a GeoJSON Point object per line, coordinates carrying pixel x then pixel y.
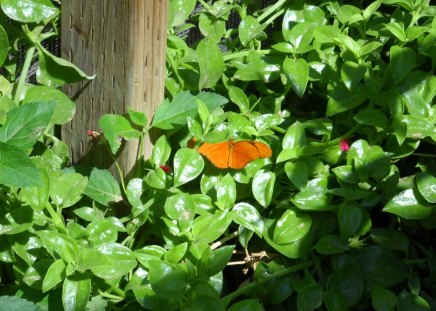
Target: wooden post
{"type": "Point", "coordinates": [122, 42]}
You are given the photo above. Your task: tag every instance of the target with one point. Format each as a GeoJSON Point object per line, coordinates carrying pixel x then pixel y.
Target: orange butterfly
{"type": "Point", "coordinates": [235, 155]}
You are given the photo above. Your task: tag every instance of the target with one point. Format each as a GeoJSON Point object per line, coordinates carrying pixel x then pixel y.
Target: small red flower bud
{"type": "Point", "coordinates": [165, 168]}
{"type": "Point", "coordinates": [344, 145]}
{"type": "Point", "coordinates": [89, 132]}
{"type": "Point", "coordinates": [93, 134]}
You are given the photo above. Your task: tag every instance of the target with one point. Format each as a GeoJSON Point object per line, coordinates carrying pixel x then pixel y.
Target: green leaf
{"type": "Point", "coordinates": [180, 207]}
{"type": "Point", "coordinates": [102, 231]}
{"type": "Point", "coordinates": [346, 174]}
{"type": "Point", "coordinates": [161, 151]}
{"type": "Point", "coordinates": [341, 99]}
{"type": "Point", "coordinates": [263, 187]}
{"type": "Point", "coordinates": [402, 61]}
{"type": "Point", "coordinates": [383, 299]}
{"type": "Point", "coordinates": [291, 226]}
{"type": "Point", "coordinates": [349, 218]}
{"type": "Point", "coordinates": [64, 109]}
{"type": "Point", "coordinates": [175, 254]}
{"type": "Point", "coordinates": [214, 261]}
{"type": "Point", "coordinates": [29, 11]}
{"type": "Point", "coordinates": [225, 192]}
{"type": "Point", "coordinates": [351, 74]}
{"type": "Point", "coordinates": [67, 189]}
{"type": "Point", "coordinates": [294, 139]}
{"type": "Point", "coordinates": [247, 216]}
{"type": "Point", "coordinates": [406, 204]}
{"type": "Point", "coordinates": [172, 114]}
{"type": "Point", "coordinates": [59, 245]}
{"type": "Point", "coordinates": [166, 280]}
{"type": "Point", "coordinates": [103, 187]}
{"type": "Point", "coordinates": [310, 297]}
{"type": "Point", "coordinates": [426, 184]}
{"type": "Point", "coordinates": [372, 117]}
{"type": "Point", "coordinates": [211, 62]}
{"type": "Point", "coordinates": [14, 303]}
{"type": "Point", "coordinates": [26, 123]}
{"type": "Point", "coordinates": [265, 68]}
{"type": "Point", "coordinates": [209, 227]}
{"type": "Point", "coordinates": [17, 169]}
{"type": "Point", "coordinates": [15, 221]}
{"type": "Point", "coordinates": [115, 127]}
{"type": "Point", "coordinates": [156, 178]}
{"type": "Point", "coordinates": [55, 274]}
{"type": "Point", "coordinates": [150, 252]}
{"type": "Point", "coordinates": [4, 45]}
{"type": "Point", "coordinates": [297, 70]}
{"type": "Point", "coordinates": [411, 302]}
{"type": "Point", "coordinates": [121, 258]}
{"type": "Point", "coordinates": [331, 244]}
{"type": "Point", "coordinates": [75, 292]}
{"type": "Point", "coordinates": [249, 28]}
{"type": "Point", "coordinates": [180, 11]}
{"type": "Point", "coordinates": [298, 173]}
{"type": "Point", "coordinates": [397, 30]}
{"type": "Point", "coordinates": [55, 72]}
{"type": "Point", "coordinates": [314, 196]}
{"type": "Point", "coordinates": [188, 164]}
{"type": "Point", "coordinates": [137, 117]}
{"type": "Point", "coordinates": [381, 266]}
{"type": "Point", "coordinates": [390, 239]}
{"type": "Point", "coordinates": [247, 305]}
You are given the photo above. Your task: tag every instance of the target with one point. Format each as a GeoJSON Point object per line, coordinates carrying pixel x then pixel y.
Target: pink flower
{"type": "Point", "coordinates": [93, 134]}
{"type": "Point", "coordinates": [344, 145]}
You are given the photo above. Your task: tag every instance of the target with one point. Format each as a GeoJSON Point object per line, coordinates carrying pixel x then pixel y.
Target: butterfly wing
{"type": "Point", "coordinates": [217, 153]}
{"type": "Point", "coordinates": [243, 152]}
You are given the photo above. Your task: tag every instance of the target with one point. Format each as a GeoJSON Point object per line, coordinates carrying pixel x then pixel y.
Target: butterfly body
{"type": "Point", "coordinates": [235, 155]}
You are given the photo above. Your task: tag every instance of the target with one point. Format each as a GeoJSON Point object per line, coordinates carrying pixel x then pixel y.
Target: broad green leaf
{"type": "Point", "coordinates": [180, 207]}
{"type": "Point", "coordinates": [17, 169]}
{"type": "Point", "coordinates": [341, 99]}
{"type": "Point", "coordinates": [211, 62]}
{"type": "Point", "coordinates": [346, 174]}
{"type": "Point", "coordinates": [64, 109]}
{"type": "Point", "coordinates": [297, 70]}
{"type": "Point", "coordinates": [397, 30]}
{"type": "Point", "coordinates": [26, 123]}
{"type": "Point", "coordinates": [138, 117]}
{"type": "Point", "coordinates": [407, 4]}
{"type": "Point", "coordinates": [371, 9]}
{"type": "Point", "coordinates": [175, 254]}
{"type": "Point", "coordinates": [331, 244]}
{"type": "Point", "coordinates": [335, 301]}
{"type": "Point", "coordinates": [172, 114]}
{"type": "Point", "coordinates": [166, 280]}
{"type": "Point", "coordinates": [37, 197]}
{"type": "Point", "coordinates": [161, 151]}
{"type": "Point", "coordinates": [122, 258]}
{"type": "Point", "coordinates": [372, 117]}
{"type": "Point", "coordinates": [265, 68]}
{"type": "Point", "coordinates": [55, 72]}
{"type": "Point", "coordinates": [390, 239]}
{"type": "Point", "coordinates": [180, 11]}
{"type": "Point", "coordinates": [209, 227]}
{"type": "Point", "coordinates": [247, 216]}
{"type": "Point", "coordinates": [238, 97]}
{"type": "Point", "coordinates": [29, 11]}
{"type": "Point", "coordinates": [314, 196]}
{"type": "Point", "coordinates": [381, 266]}
{"type": "Point", "coordinates": [402, 61]}
{"type": "Point", "coordinates": [407, 301]}
{"type": "Point", "coordinates": [75, 292]}
{"type": "Point", "coordinates": [156, 178]}
{"type": "Point", "coordinates": [214, 261]}
{"type": "Point", "coordinates": [294, 139]}
{"type": "Point", "coordinates": [115, 128]}
{"type": "Point", "coordinates": [298, 173]}
{"type": "Point", "coordinates": [17, 303]}
{"type": "Point", "coordinates": [247, 305]}
{"type": "Point", "coordinates": [309, 298]}
{"type": "Point", "coordinates": [134, 190]}
{"type": "Point", "coordinates": [349, 219]}
{"type": "Point", "coordinates": [263, 187]}
{"type": "Point", "coordinates": [291, 226]}
{"type": "Point", "coordinates": [427, 186]}
{"type": "Point", "coordinates": [150, 252]}
{"type": "Point", "coordinates": [383, 299]}
{"type": "Point", "coordinates": [249, 28]}
{"type": "Point", "coordinates": [211, 27]}
{"type": "Point", "coordinates": [417, 127]}
{"type": "Point", "coordinates": [406, 204]}
{"type": "Point", "coordinates": [300, 36]}
{"type": "Point", "coordinates": [351, 74]}
{"type": "Point", "coordinates": [102, 231]}
{"type": "Point", "coordinates": [188, 164]}
{"type": "Point", "coordinates": [348, 279]}
{"type": "Point", "coordinates": [103, 187]}
{"type": "Point", "coordinates": [59, 245]}
{"type": "Point", "coordinates": [67, 189]}
{"type": "Point", "coordinates": [16, 220]}
{"type": "Point", "coordinates": [225, 192]}
{"type": "Point", "coordinates": [55, 274]}
{"type": "Point", "coordinates": [4, 45]}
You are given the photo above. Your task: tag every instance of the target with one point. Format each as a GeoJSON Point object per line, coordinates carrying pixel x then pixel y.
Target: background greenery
{"type": "Point", "coordinates": [341, 217]}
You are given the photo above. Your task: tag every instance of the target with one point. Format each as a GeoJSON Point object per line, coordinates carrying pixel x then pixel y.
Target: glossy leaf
{"type": "Point", "coordinates": [383, 299]}
{"type": "Point", "coordinates": [247, 216]}
{"type": "Point", "coordinates": [188, 164]}
{"type": "Point", "coordinates": [138, 117]}
{"type": "Point", "coordinates": [249, 28]}
{"type": "Point", "coordinates": [121, 258]}
{"type": "Point", "coordinates": [67, 189]}
{"type": "Point", "coordinates": [406, 204]}
{"type": "Point", "coordinates": [291, 226]}
{"type": "Point", "coordinates": [402, 61]}
{"type": "Point", "coordinates": [216, 260]}
{"type": "Point", "coordinates": [55, 274]}
{"type": "Point", "coordinates": [297, 70]}
{"type": "Point", "coordinates": [350, 218]}
{"type": "Point", "coordinates": [313, 196]}
{"type": "Point", "coordinates": [331, 244]}
{"type": "Point", "coordinates": [103, 187]}
{"type": "Point", "coordinates": [75, 292]}
{"type": "Point", "coordinates": [180, 207]}
{"type": "Point", "coordinates": [210, 60]}
{"type": "Point", "coordinates": [59, 244]}
{"type": "Point", "coordinates": [407, 301]}
{"type": "Point", "coordinates": [247, 305]}
{"type": "Point", "coordinates": [208, 228]}
{"type": "Point", "coordinates": [166, 280]}
{"type": "Point", "coordinates": [310, 297]}
{"type": "Point", "coordinates": [263, 187]}
{"type": "Point", "coordinates": [226, 192]}
{"type": "Point", "coordinates": [29, 11]}
{"type": "Point", "coordinates": [298, 173]}
{"type": "Point", "coordinates": [4, 43]}
{"type": "Point", "coordinates": [101, 231]}
{"type": "Point", "coordinates": [426, 184]}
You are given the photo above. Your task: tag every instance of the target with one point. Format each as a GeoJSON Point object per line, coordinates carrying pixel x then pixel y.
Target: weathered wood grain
{"type": "Point", "coordinates": [122, 42]}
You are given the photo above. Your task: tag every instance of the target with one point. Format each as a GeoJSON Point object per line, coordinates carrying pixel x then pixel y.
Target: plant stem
{"type": "Point", "coordinates": [268, 12]}
{"type": "Point", "coordinates": [23, 75]}
{"type": "Point", "coordinates": [245, 53]}
{"type": "Point", "coordinates": [57, 221]}
{"type": "Point", "coordinates": [240, 291]}
{"type": "Point", "coordinates": [224, 240]}
{"type": "Point", "coordinates": [176, 71]}
{"type": "Point", "coordinates": [272, 18]}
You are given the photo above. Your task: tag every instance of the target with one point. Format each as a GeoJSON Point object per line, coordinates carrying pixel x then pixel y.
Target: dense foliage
{"type": "Point", "coordinates": [342, 216]}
